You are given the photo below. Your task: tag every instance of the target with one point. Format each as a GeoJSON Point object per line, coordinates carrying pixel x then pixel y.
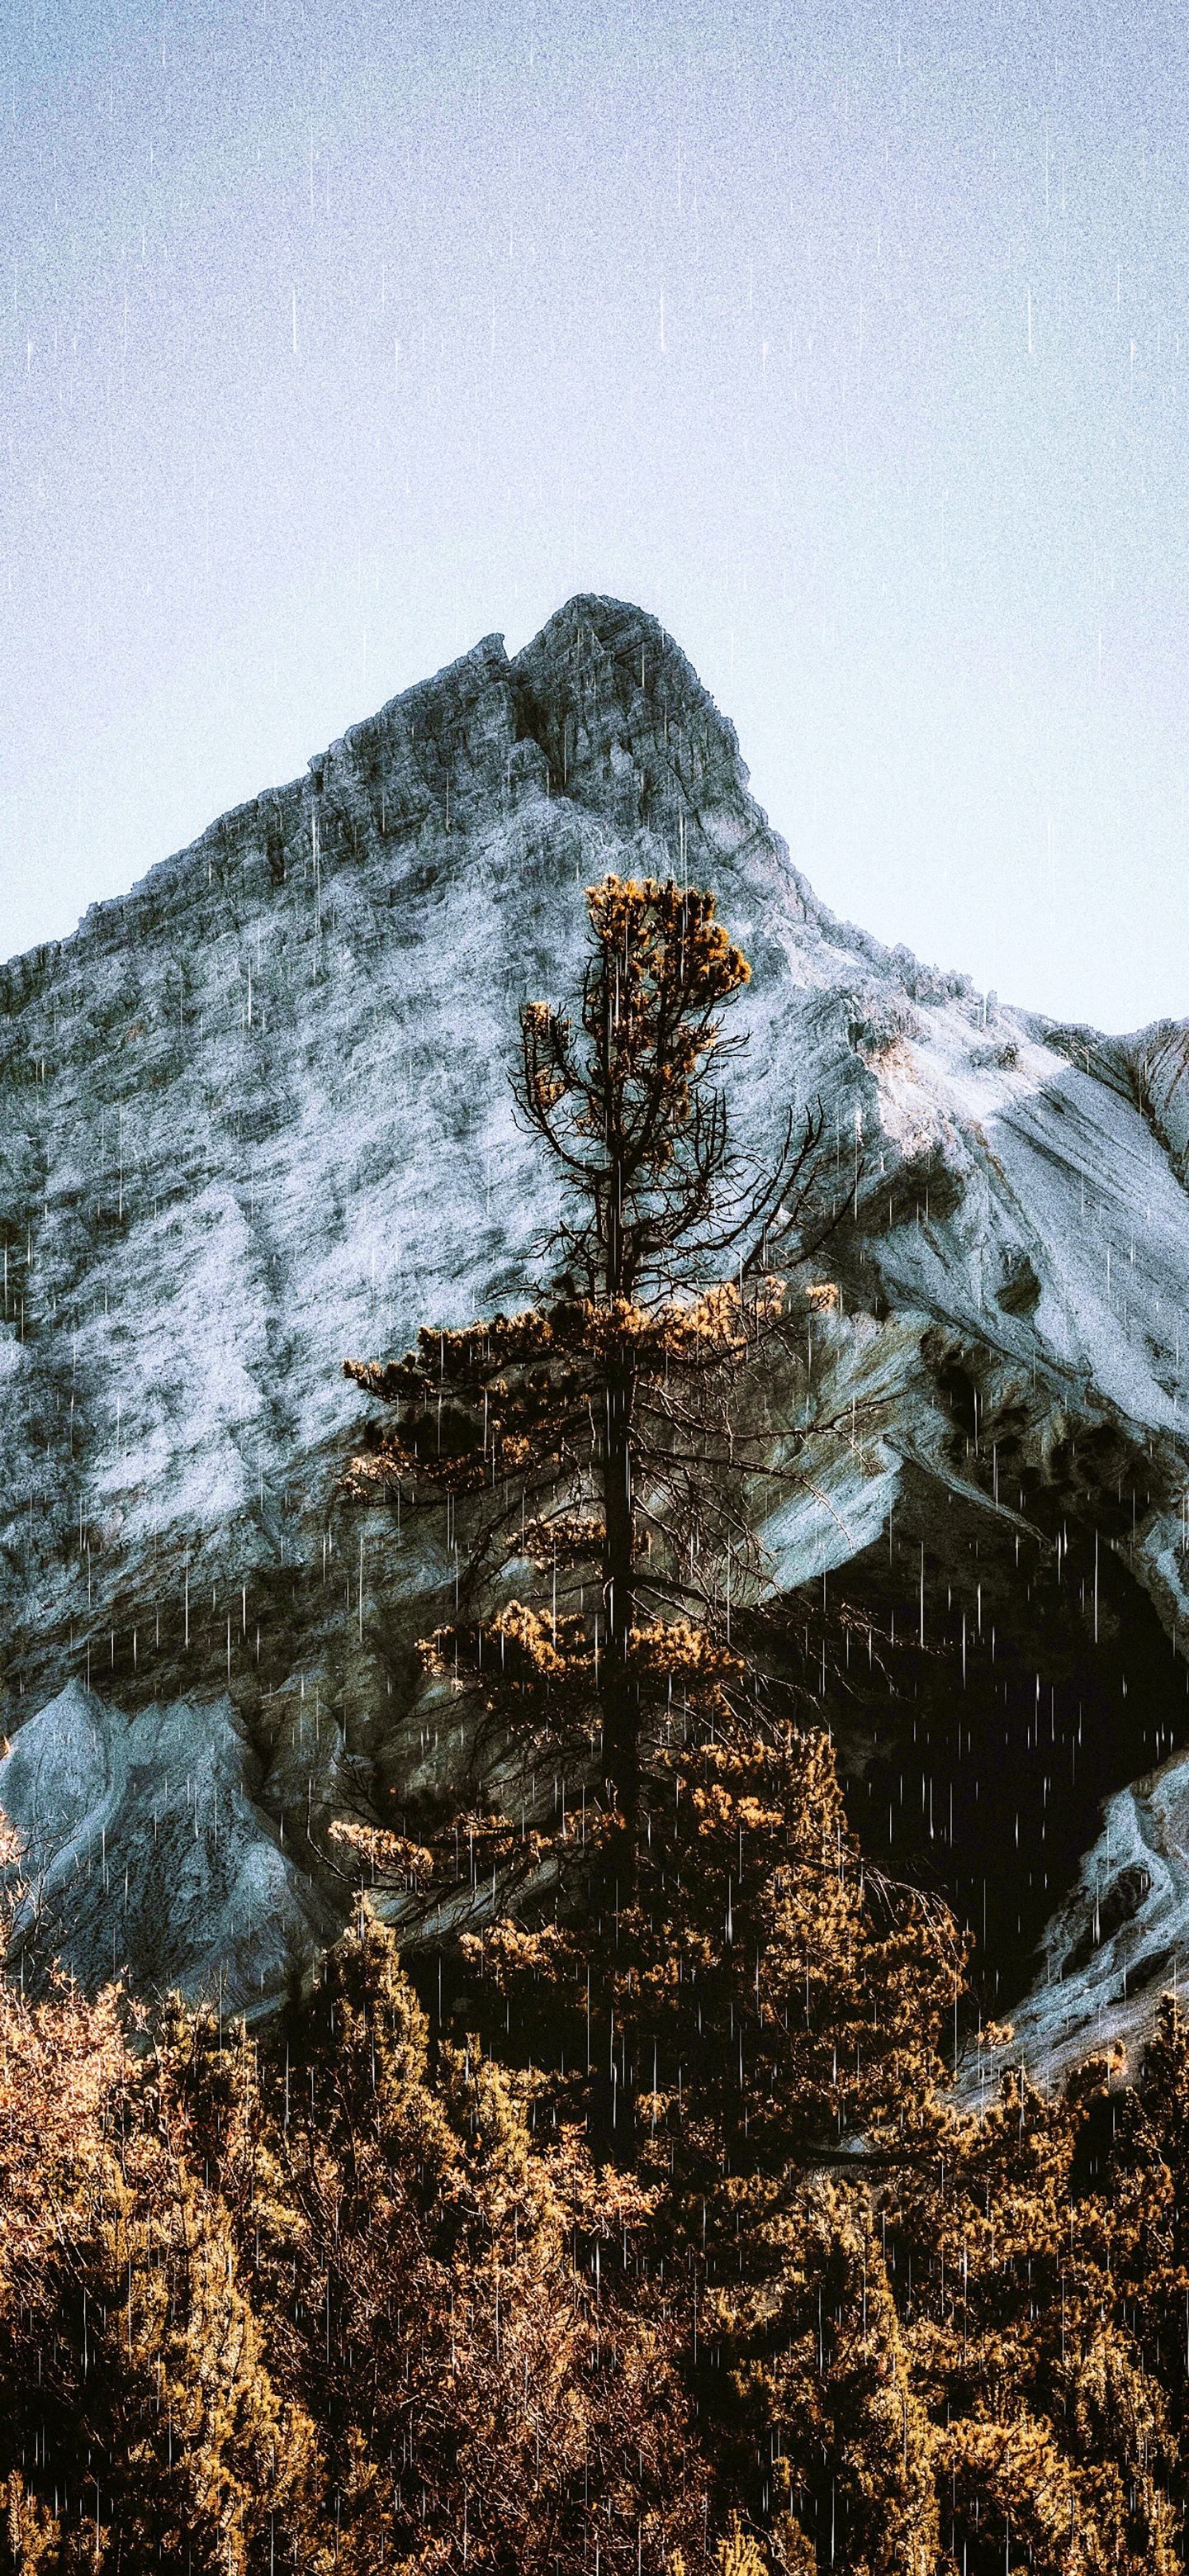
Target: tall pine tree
{"type": "Point", "coordinates": [620, 1443]}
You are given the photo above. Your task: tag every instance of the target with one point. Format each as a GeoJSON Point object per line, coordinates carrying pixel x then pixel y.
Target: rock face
{"type": "Point", "coordinates": [256, 1117]}
{"type": "Point", "coordinates": [146, 1845]}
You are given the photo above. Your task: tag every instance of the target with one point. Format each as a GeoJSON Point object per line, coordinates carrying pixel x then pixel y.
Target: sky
{"type": "Point", "coordinates": [851, 340]}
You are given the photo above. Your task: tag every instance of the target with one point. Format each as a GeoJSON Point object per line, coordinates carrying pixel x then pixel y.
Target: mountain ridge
{"type": "Point", "coordinates": [255, 1117]}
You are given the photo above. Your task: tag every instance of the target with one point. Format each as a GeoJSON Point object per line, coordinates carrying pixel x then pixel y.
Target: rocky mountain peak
{"type": "Point", "coordinates": [255, 1117]}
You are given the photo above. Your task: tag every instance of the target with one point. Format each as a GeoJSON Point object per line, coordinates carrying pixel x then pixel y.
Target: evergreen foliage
{"type": "Point", "coordinates": [613, 1442]}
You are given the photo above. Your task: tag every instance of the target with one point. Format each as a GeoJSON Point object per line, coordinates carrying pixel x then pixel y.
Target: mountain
{"type": "Point", "coordinates": [255, 1117]}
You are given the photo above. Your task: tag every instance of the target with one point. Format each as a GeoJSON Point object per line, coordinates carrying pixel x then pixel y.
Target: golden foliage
{"type": "Point", "coordinates": [520, 1650]}
{"type": "Point", "coordinates": [689, 1655]}
{"type": "Point", "coordinates": [304, 2306]}
{"type": "Point", "coordinates": [402, 1861]}
{"type": "Point", "coordinates": [561, 1539]}
{"type": "Point", "coordinates": [63, 2065]}
{"type": "Point", "coordinates": [739, 2553]}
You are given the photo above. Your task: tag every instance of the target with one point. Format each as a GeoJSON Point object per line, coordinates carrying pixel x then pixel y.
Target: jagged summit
{"type": "Point", "coordinates": [601, 708]}
{"type": "Point", "coordinates": [255, 1116]}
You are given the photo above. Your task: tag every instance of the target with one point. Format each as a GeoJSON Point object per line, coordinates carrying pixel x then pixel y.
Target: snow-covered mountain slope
{"type": "Point", "coordinates": [256, 1116]}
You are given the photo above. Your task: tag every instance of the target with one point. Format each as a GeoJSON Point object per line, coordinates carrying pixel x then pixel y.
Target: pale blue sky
{"type": "Point", "coordinates": [851, 340]}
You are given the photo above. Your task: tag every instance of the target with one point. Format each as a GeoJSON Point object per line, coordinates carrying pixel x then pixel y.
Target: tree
{"type": "Point", "coordinates": [440, 2298]}
{"type": "Point", "coordinates": [1039, 2272]}
{"type": "Point", "coordinates": [611, 1439]}
{"type": "Point", "coordinates": [299, 2303]}
{"type": "Point", "coordinates": [138, 2424]}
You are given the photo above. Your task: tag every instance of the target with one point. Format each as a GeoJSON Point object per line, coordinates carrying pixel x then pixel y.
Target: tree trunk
{"type": "Point", "coordinates": [615, 2094]}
